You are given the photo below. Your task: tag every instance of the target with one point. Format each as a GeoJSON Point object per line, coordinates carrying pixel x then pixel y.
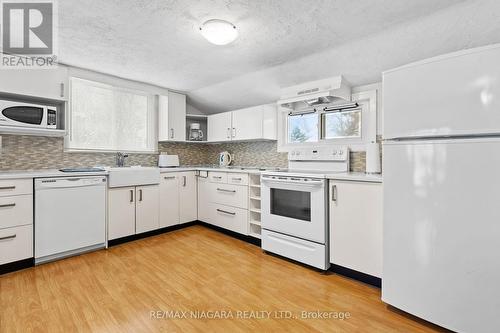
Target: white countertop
{"type": "Point", "coordinates": [353, 176]}
{"type": "Point", "coordinates": [356, 176]}
{"type": "Point", "coordinates": [209, 168]}
{"type": "Point", "coordinates": [45, 173]}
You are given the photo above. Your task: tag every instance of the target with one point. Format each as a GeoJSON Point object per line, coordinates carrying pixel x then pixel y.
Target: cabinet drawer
{"type": "Point", "coordinates": [230, 218]}
{"type": "Point", "coordinates": [16, 211]}
{"type": "Point", "coordinates": [16, 187]}
{"type": "Point", "coordinates": [16, 244]}
{"type": "Point", "coordinates": [217, 177]}
{"type": "Point", "coordinates": [237, 178]}
{"type": "Point", "coordinates": [229, 195]}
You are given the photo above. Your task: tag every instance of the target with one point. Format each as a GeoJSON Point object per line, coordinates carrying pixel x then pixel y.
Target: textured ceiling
{"type": "Point", "coordinates": [281, 42]}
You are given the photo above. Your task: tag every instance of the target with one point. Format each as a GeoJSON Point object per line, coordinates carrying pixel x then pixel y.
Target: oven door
{"type": "Point", "coordinates": [295, 207]}
{"type": "Point", "coordinates": [22, 114]}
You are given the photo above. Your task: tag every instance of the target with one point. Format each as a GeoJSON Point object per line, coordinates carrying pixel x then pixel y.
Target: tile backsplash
{"type": "Point", "coordinates": [31, 152]}
{"type": "Point", "coordinates": [262, 153]}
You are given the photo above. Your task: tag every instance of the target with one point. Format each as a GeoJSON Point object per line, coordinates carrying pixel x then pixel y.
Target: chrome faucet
{"type": "Point", "coordinates": [120, 159]}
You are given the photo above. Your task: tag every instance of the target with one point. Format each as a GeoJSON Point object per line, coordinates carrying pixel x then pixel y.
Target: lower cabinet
{"type": "Point", "coordinates": [16, 243]}
{"type": "Point", "coordinates": [169, 200]}
{"type": "Point", "coordinates": [356, 226]}
{"type": "Point", "coordinates": [188, 201]}
{"type": "Point", "coordinates": [221, 202]}
{"type": "Point", "coordinates": [147, 208]}
{"type": "Point", "coordinates": [16, 220]}
{"type": "Point", "coordinates": [132, 210]}
{"type": "Point", "coordinates": [178, 198]}
{"type": "Point", "coordinates": [227, 217]}
{"type": "Point", "coordinates": [204, 186]}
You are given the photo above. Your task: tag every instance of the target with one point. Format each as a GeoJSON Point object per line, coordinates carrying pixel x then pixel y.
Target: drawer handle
{"type": "Point", "coordinates": [8, 188]}
{"type": "Point", "coordinates": [225, 212]}
{"type": "Point", "coordinates": [224, 190]}
{"type": "Point", "coordinates": [171, 177]}
{"type": "Point", "coordinates": [8, 237]}
{"type": "Point", "coordinates": [216, 177]}
{"type": "Point", "coordinates": [8, 205]}
{"type": "Point", "coordinates": [237, 179]}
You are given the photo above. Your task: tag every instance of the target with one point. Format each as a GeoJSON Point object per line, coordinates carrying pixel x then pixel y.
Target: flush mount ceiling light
{"type": "Point", "coordinates": [219, 32]}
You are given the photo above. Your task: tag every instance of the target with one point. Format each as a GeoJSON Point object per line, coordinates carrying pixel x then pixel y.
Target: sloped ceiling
{"type": "Point", "coordinates": [281, 43]}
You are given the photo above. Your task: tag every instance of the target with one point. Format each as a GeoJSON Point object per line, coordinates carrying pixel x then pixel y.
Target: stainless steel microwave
{"type": "Point", "coordinates": [27, 115]}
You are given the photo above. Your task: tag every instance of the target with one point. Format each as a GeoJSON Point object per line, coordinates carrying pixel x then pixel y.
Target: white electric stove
{"type": "Point", "coordinates": [294, 204]}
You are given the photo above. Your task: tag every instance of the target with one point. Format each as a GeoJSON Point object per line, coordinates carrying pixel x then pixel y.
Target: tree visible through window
{"type": "Point", "coordinates": [345, 124]}
{"type": "Point", "coordinates": [303, 128]}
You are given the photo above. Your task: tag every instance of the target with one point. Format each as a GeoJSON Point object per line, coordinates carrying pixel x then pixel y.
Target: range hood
{"type": "Point", "coordinates": [311, 94]}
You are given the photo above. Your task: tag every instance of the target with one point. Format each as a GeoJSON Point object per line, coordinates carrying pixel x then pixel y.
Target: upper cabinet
{"type": "Point", "coordinates": [219, 127]}
{"type": "Point", "coordinates": [255, 123]}
{"type": "Point", "coordinates": [36, 83]}
{"type": "Point", "coordinates": [172, 117]}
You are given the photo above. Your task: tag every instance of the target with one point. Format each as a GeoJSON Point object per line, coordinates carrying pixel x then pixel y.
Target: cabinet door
{"type": "Point", "coordinates": [270, 122]}
{"type": "Point", "coordinates": [356, 234]}
{"type": "Point", "coordinates": [172, 117]}
{"type": "Point", "coordinates": [247, 124]}
{"type": "Point", "coordinates": [219, 127]}
{"type": "Point", "coordinates": [188, 209]}
{"type": "Point", "coordinates": [50, 83]}
{"type": "Point", "coordinates": [177, 116]}
{"type": "Point", "coordinates": [203, 197]}
{"type": "Point", "coordinates": [147, 213]}
{"type": "Point", "coordinates": [121, 212]}
{"type": "Point", "coordinates": [169, 200]}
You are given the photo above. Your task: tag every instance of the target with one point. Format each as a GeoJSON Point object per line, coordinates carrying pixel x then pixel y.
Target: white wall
{"type": "Point", "coordinates": [192, 110]}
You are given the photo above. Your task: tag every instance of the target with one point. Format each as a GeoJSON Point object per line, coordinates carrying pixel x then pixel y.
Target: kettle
{"type": "Point", "coordinates": [225, 159]}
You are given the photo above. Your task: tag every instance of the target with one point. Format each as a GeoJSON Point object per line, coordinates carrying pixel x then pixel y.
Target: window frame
{"type": "Point", "coordinates": [151, 119]}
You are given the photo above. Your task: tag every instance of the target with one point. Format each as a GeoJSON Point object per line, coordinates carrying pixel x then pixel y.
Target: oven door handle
{"type": "Point", "coordinates": [290, 181]}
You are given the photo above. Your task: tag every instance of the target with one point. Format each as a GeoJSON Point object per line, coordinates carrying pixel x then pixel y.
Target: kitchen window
{"type": "Point", "coordinates": [341, 124]}
{"type": "Point", "coordinates": [354, 125]}
{"type": "Point", "coordinates": [303, 128]}
{"type": "Point", "coordinates": [107, 118]}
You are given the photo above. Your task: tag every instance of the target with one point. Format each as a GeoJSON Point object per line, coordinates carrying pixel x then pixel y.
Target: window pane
{"type": "Point", "coordinates": [104, 117]}
{"type": "Point", "coordinates": [131, 121]}
{"type": "Point", "coordinates": [303, 128]}
{"type": "Point", "coordinates": [91, 116]}
{"type": "Point", "coordinates": [346, 124]}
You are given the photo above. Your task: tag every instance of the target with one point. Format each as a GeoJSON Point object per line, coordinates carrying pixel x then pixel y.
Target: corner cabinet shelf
{"type": "Point", "coordinates": [254, 206]}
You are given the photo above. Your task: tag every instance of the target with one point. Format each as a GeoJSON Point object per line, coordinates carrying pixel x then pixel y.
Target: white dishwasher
{"type": "Point", "coordinates": [70, 216]}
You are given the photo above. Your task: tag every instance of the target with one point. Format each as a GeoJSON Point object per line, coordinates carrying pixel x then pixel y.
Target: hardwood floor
{"type": "Point", "coordinates": [192, 269]}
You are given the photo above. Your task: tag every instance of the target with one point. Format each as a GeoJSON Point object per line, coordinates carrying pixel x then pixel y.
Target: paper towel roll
{"type": "Point", "coordinates": [373, 158]}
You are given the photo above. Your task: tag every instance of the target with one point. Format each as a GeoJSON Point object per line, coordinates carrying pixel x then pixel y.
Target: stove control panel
{"type": "Point", "coordinates": [330, 153]}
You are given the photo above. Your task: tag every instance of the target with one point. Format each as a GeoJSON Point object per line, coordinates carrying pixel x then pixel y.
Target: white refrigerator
{"type": "Point", "coordinates": [441, 166]}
